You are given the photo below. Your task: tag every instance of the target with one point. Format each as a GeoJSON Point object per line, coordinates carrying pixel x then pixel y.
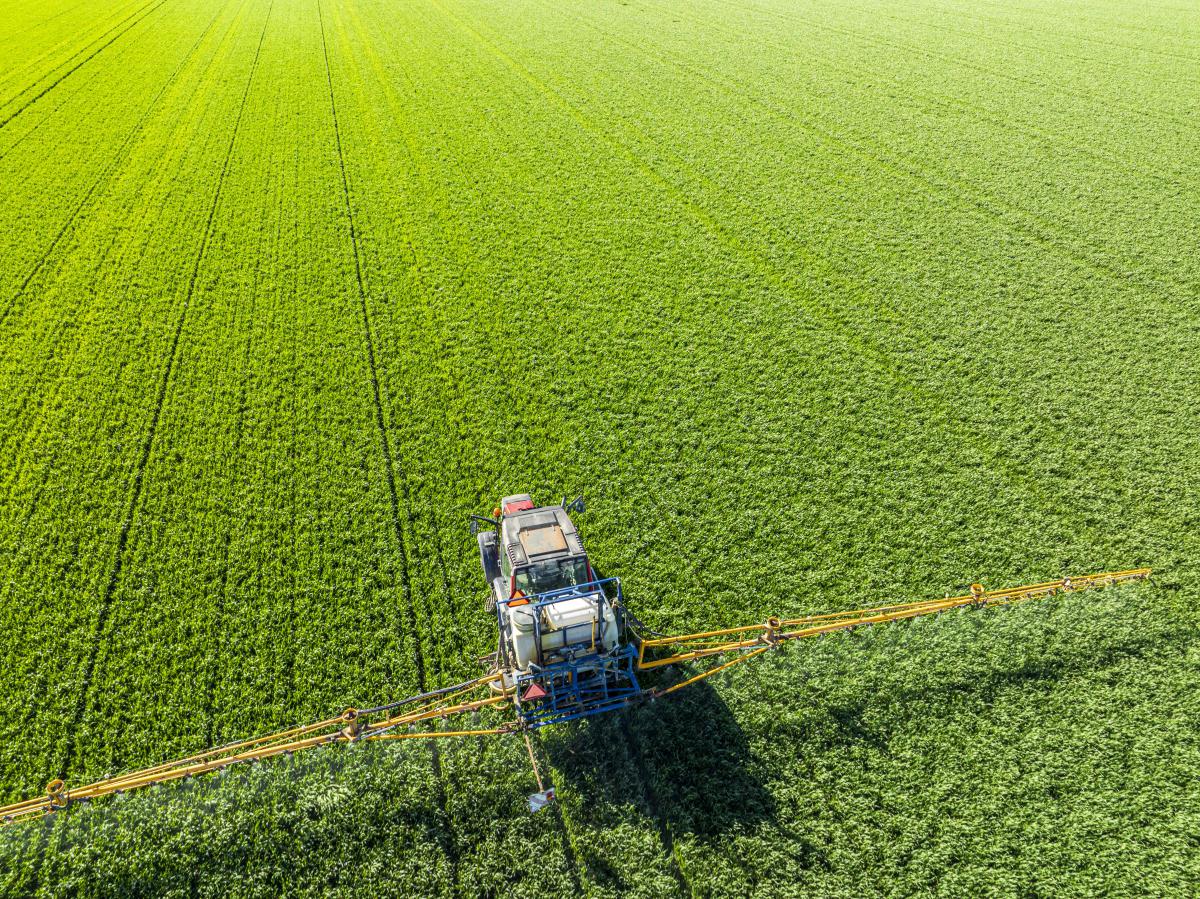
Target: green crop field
{"type": "Point", "coordinates": [820, 304]}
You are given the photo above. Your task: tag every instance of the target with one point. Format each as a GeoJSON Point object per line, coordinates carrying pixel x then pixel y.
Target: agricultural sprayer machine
{"type": "Point", "coordinates": [568, 647]}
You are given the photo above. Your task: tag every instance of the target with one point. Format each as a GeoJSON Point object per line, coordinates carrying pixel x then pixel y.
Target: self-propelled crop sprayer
{"type": "Point", "coordinates": [568, 648]}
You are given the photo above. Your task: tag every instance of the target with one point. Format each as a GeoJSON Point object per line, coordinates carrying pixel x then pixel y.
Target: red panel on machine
{"type": "Point", "coordinates": [519, 505]}
{"type": "Point", "coordinates": [532, 692]}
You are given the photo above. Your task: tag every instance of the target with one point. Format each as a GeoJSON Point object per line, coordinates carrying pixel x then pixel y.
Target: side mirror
{"type": "Point", "coordinates": [477, 520]}
{"type": "Point", "coordinates": [575, 505]}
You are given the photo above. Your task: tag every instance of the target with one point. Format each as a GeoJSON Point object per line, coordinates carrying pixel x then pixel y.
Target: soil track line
{"type": "Point", "coordinates": [107, 172]}
{"type": "Point", "coordinates": [440, 215]}
{"type": "Point", "coordinates": [148, 442]}
{"type": "Point", "coordinates": [376, 395]}
{"type": "Point", "coordinates": [141, 14]}
{"type": "Point", "coordinates": [420, 170]}
{"type": "Point", "coordinates": [445, 835]}
{"type": "Point", "coordinates": [573, 866]}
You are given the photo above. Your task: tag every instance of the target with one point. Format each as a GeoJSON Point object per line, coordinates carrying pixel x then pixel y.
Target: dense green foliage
{"type": "Point", "coordinates": [819, 303]}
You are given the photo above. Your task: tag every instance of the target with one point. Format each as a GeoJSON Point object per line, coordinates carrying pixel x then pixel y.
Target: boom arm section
{"type": "Point", "coordinates": [755, 639]}
{"type": "Point", "coordinates": [392, 721]}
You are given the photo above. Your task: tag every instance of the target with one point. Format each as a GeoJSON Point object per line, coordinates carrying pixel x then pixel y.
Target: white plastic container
{"type": "Point", "coordinates": [570, 622]}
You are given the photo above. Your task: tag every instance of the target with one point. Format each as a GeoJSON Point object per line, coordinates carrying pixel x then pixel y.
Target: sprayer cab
{"type": "Point", "coordinates": [532, 550]}
{"type": "Point", "coordinates": [562, 649]}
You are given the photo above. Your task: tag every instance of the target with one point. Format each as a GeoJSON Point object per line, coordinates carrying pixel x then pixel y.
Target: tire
{"type": "Point", "coordinates": [489, 555]}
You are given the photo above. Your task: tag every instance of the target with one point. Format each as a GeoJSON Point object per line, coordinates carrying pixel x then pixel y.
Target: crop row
{"type": "Point", "coordinates": [38, 49]}
{"type": "Point", "coordinates": [70, 496]}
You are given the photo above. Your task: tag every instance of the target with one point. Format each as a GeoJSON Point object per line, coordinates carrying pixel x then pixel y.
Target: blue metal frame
{"type": "Point", "coordinates": [585, 682]}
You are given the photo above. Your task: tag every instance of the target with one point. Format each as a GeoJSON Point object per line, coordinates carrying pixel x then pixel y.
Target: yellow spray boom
{"type": "Point", "coordinates": [588, 651]}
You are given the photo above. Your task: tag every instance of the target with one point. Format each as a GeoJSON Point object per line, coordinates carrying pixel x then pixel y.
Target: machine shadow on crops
{"type": "Point", "coordinates": [682, 760]}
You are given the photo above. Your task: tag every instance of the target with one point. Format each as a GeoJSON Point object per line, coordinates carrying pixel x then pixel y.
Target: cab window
{"type": "Point", "coordinates": [554, 575]}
